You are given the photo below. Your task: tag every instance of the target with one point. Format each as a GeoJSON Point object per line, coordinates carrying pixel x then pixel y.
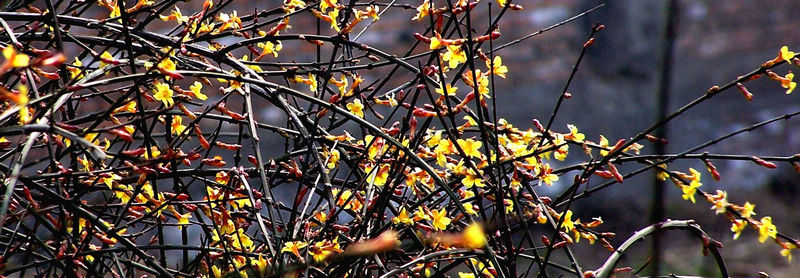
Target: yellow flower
{"type": "Point", "coordinates": [183, 219]}
{"type": "Point", "coordinates": [141, 4]}
{"type": "Point", "coordinates": [109, 181]}
{"type": "Point", "coordinates": [786, 55]}
{"type": "Point", "coordinates": [204, 27]}
{"type": "Point", "coordinates": [497, 66]}
{"type": "Point", "coordinates": [356, 108]}
{"type": "Point", "coordinates": [177, 125]}
{"type": "Point", "coordinates": [662, 175]}
{"type": "Point", "coordinates": [403, 217]}
{"type": "Point", "coordinates": [420, 215]}
{"type": "Point", "coordinates": [469, 208]}
{"type": "Point", "coordinates": [74, 70]}
{"type": "Point", "coordinates": [689, 191]}
{"type": "Point", "coordinates": [454, 56]}
{"type": "Point", "coordinates": [322, 249]}
{"type": "Point", "coordinates": [229, 21]}
{"type": "Point", "coordinates": [378, 177]}
{"type": "Point", "coordinates": [435, 43]}
{"type": "Point", "coordinates": [788, 84]}
{"type": "Point", "coordinates": [216, 271]}
{"type": "Point", "coordinates": [261, 265]}
{"type": "Point", "coordinates": [568, 224]}
{"type": "Point", "coordinates": [164, 94]}
{"type": "Point", "coordinates": [747, 211]}
{"type": "Point", "coordinates": [332, 15]}
{"type": "Point", "coordinates": [372, 11]}
{"type": "Point", "coordinates": [15, 59]}
{"type": "Point", "coordinates": [423, 10]}
{"type": "Point", "coordinates": [787, 251]}
{"type": "Point", "coordinates": [483, 84]}
{"type": "Point", "coordinates": [167, 64]}
{"type": "Point", "coordinates": [471, 180]}
{"type": "Point", "coordinates": [22, 101]}
{"type": "Point", "coordinates": [719, 201]}
{"type": "Point", "coordinates": [433, 140]}
{"type": "Point", "coordinates": [547, 175]}
{"type": "Point", "coordinates": [325, 4]}
{"type": "Point", "coordinates": [175, 15]}
{"type": "Point", "coordinates": [196, 88]}
{"type": "Point", "coordinates": [333, 159]}
{"type": "Point", "coordinates": [291, 5]}
{"type": "Point", "coordinates": [269, 48]}
{"type": "Point", "coordinates": [115, 12]}
{"type": "Point", "coordinates": [312, 82]}
{"type": "Point", "coordinates": [604, 151]}
{"type": "Point", "coordinates": [574, 134]}
{"type": "Point", "coordinates": [561, 153]}
{"type": "Point", "coordinates": [470, 147]}
{"type": "Point", "coordinates": [451, 91]}
{"type": "Point", "coordinates": [440, 219]}
{"type": "Point", "coordinates": [293, 247]}
{"type": "Point", "coordinates": [766, 229]}
{"type": "Point", "coordinates": [256, 68]}
{"type": "Point", "coordinates": [105, 57]}
{"type": "Point", "coordinates": [474, 236]}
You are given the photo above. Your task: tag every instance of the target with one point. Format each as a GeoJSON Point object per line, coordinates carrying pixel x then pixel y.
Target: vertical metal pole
{"type": "Point", "coordinates": [657, 212]}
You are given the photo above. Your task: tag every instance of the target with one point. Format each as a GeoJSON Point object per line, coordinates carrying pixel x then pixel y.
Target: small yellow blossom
{"type": "Point", "coordinates": [470, 147]}
{"type": "Point", "coordinates": [455, 55]}
{"type": "Point", "coordinates": [164, 93]}
{"type": "Point", "coordinates": [788, 84]}
{"type": "Point", "coordinates": [451, 91]}
{"type": "Point", "coordinates": [497, 66]}
{"type": "Point", "coordinates": [293, 247]}
{"type": "Point", "coordinates": [546, 175]}
{"type": "Point", "coordinates": [292, 5]}
{"type": "Point", "coordinates": [183, 219]}
{"type": "Point", "coordinates": [196, 89]}
{"type": "Point", "coordinates": [228, 21]}
{"type": "Point", "coordinates": [177, 125]}
{"type": "Point", "coordinates": [325, 4]}
{"type": "Point", "coordinates": [105, 57]}
{"type": "Point", "coordinates": [766, 229]}
{"type": "Point", "coordinates": [333, 159]}
{"type": "Point", "coordinates": [748, 210]}
{"type": "Point", "coordinates": [175, 15]}
{"type": "Point", "coordinates": [423, 10]}
{"type": "Point", "coordinates": [356, 108]}
{"type": "Point", "coordinates": [786, 55]}
{"type": "Point", "coordinates": [568, 224]}
{"type": "Point", "coordinates": [787, 251]}
{"type": "Point", "coordinates": [403, 217]}
{"type": "Point", "coordinates": [469, 208]}
{"type": "Point", "coordinates": [14, 58]}
{"type": "Point", "coordinates": [471, 180]}
{"type": "Point", "coordinates": [440, 219]}
{"type": "Point", "coordinates": [75, 69]}
{"type": "Point", "coordinates": [574, 134]}
{"type": "Point", "coordinates": [269, 48]}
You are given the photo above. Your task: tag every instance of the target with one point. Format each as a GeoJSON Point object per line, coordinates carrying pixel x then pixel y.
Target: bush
{"type": "Point", "coordinates": [122, 157]}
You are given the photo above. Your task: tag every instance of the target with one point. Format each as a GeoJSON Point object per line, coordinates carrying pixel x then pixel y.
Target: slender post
{"type": "Point", "coordinates": [657, 212]}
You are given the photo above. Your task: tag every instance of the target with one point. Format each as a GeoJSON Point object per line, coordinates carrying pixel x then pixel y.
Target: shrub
{"type": "Point", "coordinates": [125, 128]}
